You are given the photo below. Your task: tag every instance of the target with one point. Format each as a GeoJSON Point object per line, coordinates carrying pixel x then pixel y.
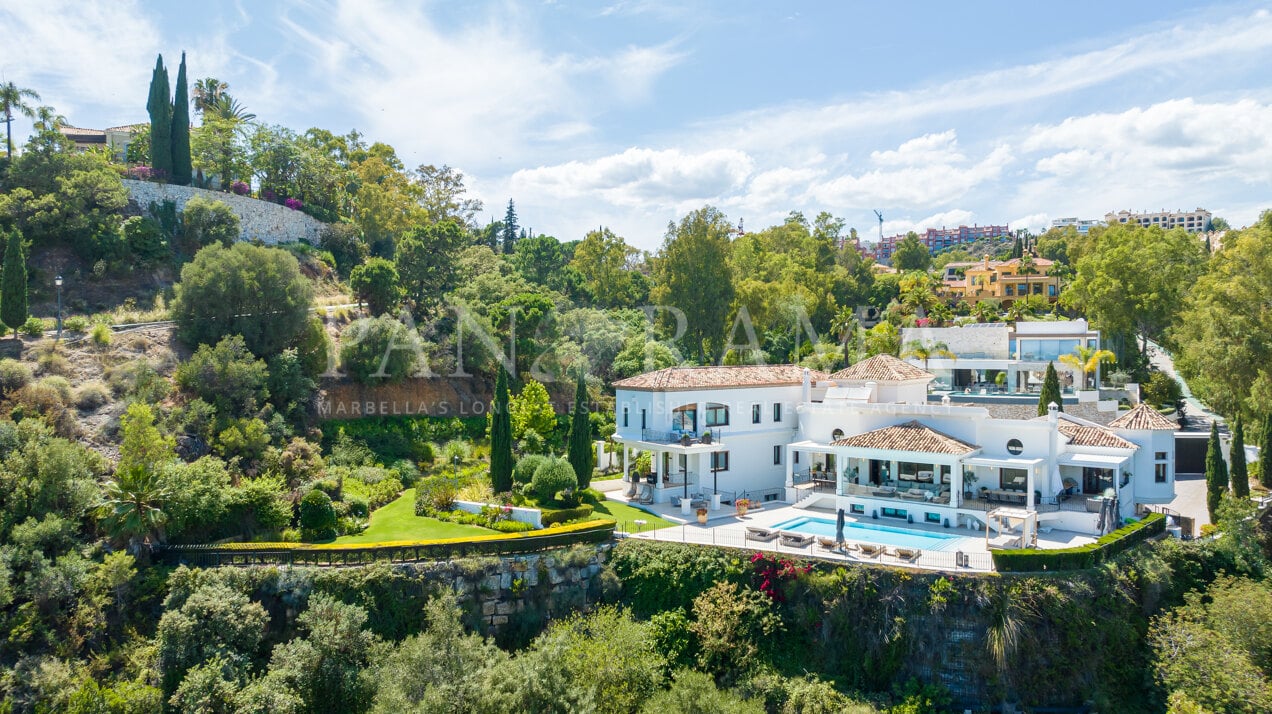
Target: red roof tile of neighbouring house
{"type": "Point", "coordinates": [881, 368]}
{"type": "Point", "coordinates": [910, 436]}
{"type": "Point", "coordinates": [675, 378]}
{"type": "Point", "coordinates": [1143, 417]}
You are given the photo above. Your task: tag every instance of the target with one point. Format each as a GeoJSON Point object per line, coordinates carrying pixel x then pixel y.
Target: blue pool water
{"type": "Point", "coordinates": [870, 533]}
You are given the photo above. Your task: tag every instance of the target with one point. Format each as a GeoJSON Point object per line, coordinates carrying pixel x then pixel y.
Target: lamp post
{"type": "Point", "coordinates": [58, 282]}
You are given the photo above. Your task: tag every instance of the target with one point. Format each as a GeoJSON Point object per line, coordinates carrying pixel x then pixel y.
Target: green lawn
{"type": "Point", "coordinates": [625, 514]}
{"type": "Point", "coordinates": [397, 521]}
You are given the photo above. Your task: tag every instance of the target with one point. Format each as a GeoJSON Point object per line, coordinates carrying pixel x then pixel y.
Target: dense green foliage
{"type": "Point", "coordinates": [1216, 473]}
{"type": "Point", "coordinates": [205, 221]}
{"type": "Point", "coordinates": [1050, 393]}
{"type": "Point", "coordinates": [182, 171]}
{"type": "Point", "coordinates": [580, 453]}
{"type": "Point", "coordinates": [1238, 474]}
{"type": "Point", "coordinates": [160, 108]}
{"type": "Point", "coordinates": [379, 349]}
{"type": "Point", "coordinates": [501, 437]}
{"type": "Point", "coordinates": [247, 290]}
{"type": "Point", "coordinates": [1083, 556]}
{"type": "Point", "coordinates": [376, 283]}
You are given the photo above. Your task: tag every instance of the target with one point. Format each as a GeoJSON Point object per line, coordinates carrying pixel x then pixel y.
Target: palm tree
{"type": "Point", "coordinates": [14, 99]}
{"type": "Point", "coordinates": [1027, 267]}
{"type": "Point", "coordinates": [132, 507]}
{"type": "Point", "coordinates": [845, 324]}
{"type": "Point", "coordinates": [228, 107]}
{"type": "Point", "coordinates": [918, 350]}
{"type": "Point", "coordinates": [206, 93]}
{"type": "Point", "coordinates": [1088, 360]}
{"type": "Point", "coordinates": [985, 311]}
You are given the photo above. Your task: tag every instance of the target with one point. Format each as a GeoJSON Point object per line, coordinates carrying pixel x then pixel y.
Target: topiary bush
{"type": "Point", "coordinates": [552, 477]}
{"type": "Point", "coordinates": [523, 472]}
{"type": "Point", "coordinates": [317, 516]}
{"type": "Point", "coordinates": [563, 515]}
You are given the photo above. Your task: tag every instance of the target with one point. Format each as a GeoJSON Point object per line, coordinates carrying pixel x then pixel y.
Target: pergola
{"type": "Point", "coordinates": [1009, 519]}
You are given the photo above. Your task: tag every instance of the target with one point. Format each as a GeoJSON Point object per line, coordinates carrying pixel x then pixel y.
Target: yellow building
{"type": "Point", "coordinates": [998, 280]}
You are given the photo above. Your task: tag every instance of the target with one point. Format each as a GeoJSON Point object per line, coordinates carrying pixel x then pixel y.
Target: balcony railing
{"type": "Point", "coordinates": [708, 436]}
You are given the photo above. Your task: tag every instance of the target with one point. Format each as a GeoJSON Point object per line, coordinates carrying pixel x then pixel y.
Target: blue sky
{"type": "Point", "coordinates": [632, 113]}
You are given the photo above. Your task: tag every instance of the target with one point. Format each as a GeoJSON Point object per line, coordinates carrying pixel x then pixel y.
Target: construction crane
{"type": "Point", "coordinates": [880, 215]}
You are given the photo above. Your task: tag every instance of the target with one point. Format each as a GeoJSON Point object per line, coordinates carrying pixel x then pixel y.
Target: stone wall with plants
{"type": "Point", "coordinates": [267, 222]}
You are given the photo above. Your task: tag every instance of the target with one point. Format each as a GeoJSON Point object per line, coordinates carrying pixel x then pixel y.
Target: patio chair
{"type": "Point", "coordinates": [763, 535]}
{"type": "Point", "coordinates": [795, 540]}
{"type": "Point", "coordinates": [675, 501]}
{"type": "Point", "coordinates": [827, 543]}
{"type": "Point", "coordinates": [870, 550]}
{"type": "Point", "coordinates": [908, 555]}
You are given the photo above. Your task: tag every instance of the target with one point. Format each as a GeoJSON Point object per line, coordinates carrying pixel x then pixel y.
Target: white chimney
{"type": "Point", "coordinates": [806, 389]}
{"type": "Point", "coordinates": [1053, 412]}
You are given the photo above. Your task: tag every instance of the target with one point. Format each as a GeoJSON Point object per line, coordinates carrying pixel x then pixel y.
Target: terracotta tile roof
{"type": "Point", "coordinates": [1143, 417]}
{"type": "Point", "coordinates": [910, 436]}
{"type": "Point", "coordinates": [881, 368]}
{"type": "Point", "coordinates": [674, 378]}
{"type": "Point", "coordinates": [1081, 435]}
{"type": "Point", "coordinates": [1025, 411]}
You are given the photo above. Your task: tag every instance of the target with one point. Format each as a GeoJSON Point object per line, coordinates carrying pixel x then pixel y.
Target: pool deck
{"type": "Point", "coordinates": [726, 528]}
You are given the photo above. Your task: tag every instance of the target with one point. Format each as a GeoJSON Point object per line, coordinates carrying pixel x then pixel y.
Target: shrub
{"type": "Point", "coordinates": [75, 323]}
{"type": "Point", "coordinates": [376, 283]}
{"type": "Point", "coordinates": [205, 222]}
{"type": "Point", "coordinates": [144, 238]}
{"type": "Point", "coordinates": [13, 376]}
{"type": "Point", "coordinates": [511, 526]}
{"type": "Point", "coordinates": [563, 515]}
{"type": "Point", "coordinates": [733, 626]}
{"type": "Point", "coordinates": [50, 360]}
{"type": "Point", "coordinates": [227, 376]}
{"type": "Point", "coordinates": [92, 395]}
{"type": "Point", "coordinates": [552, 477]}
{"type": "Point", "coordinates": [101, 334]}
{"type": "Point", "coordinates": [380, 349]}
{"type": "Point", "coordinates": [434, 494]}
{"type": "Point", "coordinates": [523, 472]}
{"type": "Point", "coordinates": [139, 379]}
{"type": "Point", "coordinates": [58, 384]}
{"type": "Point", "coordinates": [359, 507]}
{"type": "Point", "coordinates": [317, 516]}
{"type": "Point", "coordinates": [33, 327]}
{"type": "Point", "coordinates": [240, 188]}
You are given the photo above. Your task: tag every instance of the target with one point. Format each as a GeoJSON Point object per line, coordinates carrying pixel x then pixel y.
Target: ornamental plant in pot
{"type": "Point", "coordinates": [702, 516]}
{"type": "Point", "coordinates": [741, 505]}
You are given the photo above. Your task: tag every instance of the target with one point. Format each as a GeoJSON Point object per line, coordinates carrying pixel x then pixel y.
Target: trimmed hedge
{"type": "Point", "coordinates": [1081, 557]}
{"type": "Point", "coordinates": [566, 514]}
{"type": "Point", "coordinates": [594, 531]}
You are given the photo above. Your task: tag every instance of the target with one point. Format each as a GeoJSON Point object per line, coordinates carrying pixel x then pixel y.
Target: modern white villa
{"type": "Point", "coordinates": [868, 440]}
{"type": "Point", "coordinates": [1019, 352]}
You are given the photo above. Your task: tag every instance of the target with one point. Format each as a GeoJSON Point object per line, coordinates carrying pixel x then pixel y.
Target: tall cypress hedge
{"type": "Point", "coordinates": [160, 108]}
{"type": "Point", "coordinates": [501, 437]}
{"type": "Point", "coordinates": [1238, 474]}
{"type": "Point", "coordinates": [1050, 391]}
{"type": "Point", "coordinates": [182, 170]}
{"type": "Point", "coordinates": [13, 284]}
{"type": "Point", "coordinates": [1265, 453]}
{"type": "Point", "coordinates": [580, 451]}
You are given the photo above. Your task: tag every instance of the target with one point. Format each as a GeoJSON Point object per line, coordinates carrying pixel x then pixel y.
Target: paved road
{"type": "Point", "coordinates": [1195, 412]}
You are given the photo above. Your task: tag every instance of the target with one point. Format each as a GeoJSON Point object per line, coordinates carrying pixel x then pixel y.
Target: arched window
{"type": "Point", "coordinates": [836, 435]}
{"type": "Point", "coordinates": [717, 415]}
{"type": "Point", "coordinates": [685, 418]}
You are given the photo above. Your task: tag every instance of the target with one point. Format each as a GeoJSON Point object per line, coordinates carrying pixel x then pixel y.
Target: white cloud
{"type": "Point", "coordinates": [641, 177]}
{"type": "Point", "coordinates": [945, 177]}
{"type": "Point", "coordinates": [927, 149]}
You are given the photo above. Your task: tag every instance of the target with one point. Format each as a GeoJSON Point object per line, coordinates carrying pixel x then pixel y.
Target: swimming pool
{"type": "Point", "coordinates": [870, 533]}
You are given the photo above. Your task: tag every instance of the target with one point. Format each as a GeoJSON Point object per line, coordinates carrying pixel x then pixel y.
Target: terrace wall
{"type": "Point", "coordinates": [267, 222]}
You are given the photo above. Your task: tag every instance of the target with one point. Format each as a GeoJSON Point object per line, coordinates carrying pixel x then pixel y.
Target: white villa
{"type": "Point", "coordinates": [1019, 352]}
{"type": "Point", "coordinates": [867, 440]}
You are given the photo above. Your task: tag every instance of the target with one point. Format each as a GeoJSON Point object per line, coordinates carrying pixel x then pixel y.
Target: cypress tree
{"type": "Point", "coordinates": [1238, 474]}
{"type": "Point", "coordinates": [501, 437]}
{"type": "Point", "coordinates": [1017, 250]}
{"type": "Point", "coordinates": [1265, 453]}
{"type": "Point", "coordinates": [160, 108]}
{"type": "Point", "coordinates": [1216, 473]}
{"type": "Point", "coordinates": [1050, 390]}
{"type": "Point", "coordinates": [510, 229]}
{"type": "Point", "coordinates": [181, 167]}
{"type": "Point", "coordinates": [580, 452]}
{"type": "Point", "coordinates": [13, 284]}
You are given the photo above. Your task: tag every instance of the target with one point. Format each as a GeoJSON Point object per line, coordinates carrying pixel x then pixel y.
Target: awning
{"type": "Point", "coordinates": [1004, 462]}
{"type": "Point", "coordinates": [808, 445]}
{"type": "Point", "coordinates": [1098, 461]}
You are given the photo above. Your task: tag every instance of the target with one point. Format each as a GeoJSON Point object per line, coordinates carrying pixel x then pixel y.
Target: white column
{"type": "Point", "coordinates": [1029, 488]}
{"type": "Point", "coordinates": [956, 483]}
{"type": "Point", "coordinates": [790, 467]}
{"type": "Point", "coordinates": [840, 467]}
{"type": "Point", "coordinates": [627, 476]}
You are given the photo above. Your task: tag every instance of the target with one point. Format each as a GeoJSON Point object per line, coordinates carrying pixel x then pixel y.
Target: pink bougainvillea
{"type": "Point", "coordinates": [241, 188]}
{"type": "Point", "coordinates": [293, 203]}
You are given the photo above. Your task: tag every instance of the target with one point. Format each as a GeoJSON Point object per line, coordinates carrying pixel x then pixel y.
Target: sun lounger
{"type": "Point", "coordinates": [796, 540]}
{"type": "Point", "coordinates": [761, 534]}
{"type": "Point", "coordinates": [871, 551]}
{"type": "Point", "coordinates": [908, 555]}
{"type": "Point", "coordinates": [827, 543]}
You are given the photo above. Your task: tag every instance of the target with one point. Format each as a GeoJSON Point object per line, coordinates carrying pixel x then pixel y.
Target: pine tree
{"type": "Point", "coordinates": [580, 451]}
{"type": "Point", "coordinates": [1050, 390]}
{"type": "Point", "coordinates": [181, 167]}
{"type": "Point", "coordinates": [1265, 453]}
{"type": "Point", "coordinates": [501, 437]}
{"type": "Point", "coordinates": [1216, 473]}
{"type": "Point", "coordinates": [13, 284]}
{"type": "Point", "coordinates": [160, 108]}
{"type": "Point", "coordinates": [1017, 250]}
{"type": "Point", "coordinates": [510, 229]}
{"type": "Point", "coordinates": [1238, 474]}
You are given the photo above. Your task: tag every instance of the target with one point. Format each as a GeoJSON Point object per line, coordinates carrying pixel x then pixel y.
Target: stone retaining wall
{"type": "Point", "coordinates": [268, 222]}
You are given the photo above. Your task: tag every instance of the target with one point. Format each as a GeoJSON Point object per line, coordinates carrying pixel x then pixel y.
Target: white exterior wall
{"type": "Point", "coordinates": [1143, 465]}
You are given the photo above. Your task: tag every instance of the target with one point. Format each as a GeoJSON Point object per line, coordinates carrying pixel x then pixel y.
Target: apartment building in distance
{"type": "Point", "coordinates": [940, 238]}
{"type": "Point", "coordinates": [1001, 280]}
{"type": "Point", "coordinates": [1197, 221]}
{"type": "Point", "coordinates": [1083, 225]}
